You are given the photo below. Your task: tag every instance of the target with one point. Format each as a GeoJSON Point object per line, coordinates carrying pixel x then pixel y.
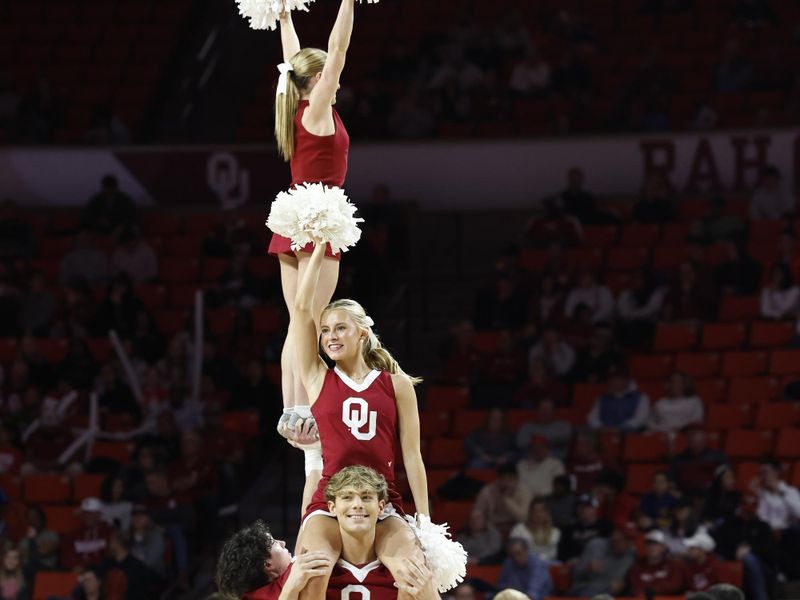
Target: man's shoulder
{"type": "Point", "coordinates": [272, 590]}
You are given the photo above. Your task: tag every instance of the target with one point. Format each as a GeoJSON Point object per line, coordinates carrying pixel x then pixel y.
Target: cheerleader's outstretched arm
{"type": "Point", "coordinates": [289, 39]}
{"type": "Point", "coordinates": [324, 92]}
{"type": "Point", "coordinates": [408, 416]}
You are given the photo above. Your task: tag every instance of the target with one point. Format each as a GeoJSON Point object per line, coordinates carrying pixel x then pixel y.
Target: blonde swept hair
{"type": "Point", "coordinates": [511, 594]}
{"type": "Point", "coordinates": [305, 65]}
{"type": "Point", "coordinates": [375, 354]}
{"type": "Point", "coordinates": [357, 477]}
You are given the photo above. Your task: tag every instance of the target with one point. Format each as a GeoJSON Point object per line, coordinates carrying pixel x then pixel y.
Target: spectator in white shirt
{"type": "Point", "coordinates": [778, 502]}
{"type": "Point", "coordinates": [558, 433]}
{"type": "Point", "coordinates": [531, 75]}
{"type": "Point", "coordinates": [597, 297]}
{"type": "Point", "coordinates": [538, 469]}
{"type": "Point", "coordinates": [771, 200]}
{"type": "Point", "coordinates": [779, 299]}
{"type": "Point", "coordinates": [679, 408]}
{"type": "Point", "coordinates": [557, 354]}
{"type": "Point", "coordinates": [540, 533]}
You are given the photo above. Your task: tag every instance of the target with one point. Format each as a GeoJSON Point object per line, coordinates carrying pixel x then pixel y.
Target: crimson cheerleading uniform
{"type": "Point", "coordinates": [272, 590]}
{"type": "Point", "coordinates": [357, 425]}
{"type": "Point", "coordinates": [316, 159]}
{"type": "Point", "coordinates": [370, 582]}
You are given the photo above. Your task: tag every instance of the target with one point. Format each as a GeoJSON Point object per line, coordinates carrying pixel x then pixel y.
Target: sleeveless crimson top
{"type": "Point", "coordinates": [319, 158]}
{"type": "Point", "coordinates": [369, 582]}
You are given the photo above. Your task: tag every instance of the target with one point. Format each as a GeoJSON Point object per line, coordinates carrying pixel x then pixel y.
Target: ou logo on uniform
{"type": "Point", "coordinates": [346, 591]}
{"type": "Point", "coordinates": [356, 414]}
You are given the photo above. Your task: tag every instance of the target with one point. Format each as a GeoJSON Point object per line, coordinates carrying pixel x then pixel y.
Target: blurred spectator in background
{"type": "Point", "coordinates": [147, 540]}
{"type": "Point", "coordinates": [780, 298]}
{"type": "Point", "coordinates": [558, 356]}
{"type": "Point", "coordinates": [593, 295]}
{"type": "Point", "coordinates": [116, 509]}
{"type": "Point", "coordinates": [139, 580]}
{"type": "Point", "coordinates": [578, 202]}
{"type": "Point", "coordinates": [723, 498]}
{"type": "Point", "coordinates": [656, 573]}
{"type": "Point", "coordinates": [738, 273]}
{"type": "Point", "coordinates": [702, 568]}
{"type": "Point", "coordinates": [547, 304]}
{"type": "Point", "coordinates": [704, 117]}
{"type": "Point", "coordinates": [553, 226]}
{"type": "Point", "coordinates": [541, 384]}
{"type": "Point", "coordinates": [79, 367]}
{"type": "Point", "coordinates": [531, 75]}
{"type": "Point", "coordinates": [134, 256]}
{"type": "Point", "coordinates": [656, 203]}
{"type": "Point", "coordinates": [778, 502]}
{"type": "Point", "coordinates": [237, 286]}
{"type": "Point", "coordinates": [537, 468]}
{"type": "Point", "coordinates": [492, 445]}
{"type": "Point", "coordinates": [40, 545]}
{"type": "Point", "coordinates": [504, 502]}
{"type": "Point", "coordinates": [603, 566]}
{"type": "Point", "coordinates": [595, 361]}
{"type": "Point", "coordinates": [770, 200]}
{"type": "Point", "coordinates": [538, 531]}
{"type": "Point", "coordinates": [12, 579]}
{"type": "Point", "coordinates": [681, 523]}
{"type": "Point", "coordinates": [561, 503]}
{"type": "Point", "coordinates": [719, 225]}
{"type": "Point", "coordinates": [733, 73]}
{"type": "Point", "coordinates": [557, 432]}
{"type": "Point", "coordinates": [639, 307]}
{"type": "Point", "coordinates": [502, 304]}
{"type": "Point", "coordinates": [86, 263]}
{"type": "Point", "coordinates": [690, 297]}
{"type": "Point", "coordinates": [679, 408]}
{"type": "Point", "coordinates": [106, 128]}
{"type": "Point", "coordinates": [109, 208]}
{"type": "Point", "coordinates": [17, 239]}
{"type": "Point", "coordinates": [586, 462]}
{"type": "Point", "coordinates": [693, 468]}
{"type": "Point", "coordinates": [10, 456]}
{"type": "Point", "coordinates": [524, 571]}
{"type": "Point", "coordinates": [622, 407]}
{"type": "Point", "coordinates": [587, 527]}
{"type": "Point", "coordinates": [88, 544]}
{"type": "Point", "coordinates": [119, 309]}
{"type": "Point", "coordinates": [90, 585]}
{"type": "Point", "coordinates": [38, 307]}
{"type": "Point", "coordinates": [480, 539]}
{"type": "Point", "coordinates": [655, 506]}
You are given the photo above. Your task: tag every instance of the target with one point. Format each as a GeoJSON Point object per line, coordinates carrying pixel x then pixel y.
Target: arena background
{"type": "Point", "coordinates": [466, 118]}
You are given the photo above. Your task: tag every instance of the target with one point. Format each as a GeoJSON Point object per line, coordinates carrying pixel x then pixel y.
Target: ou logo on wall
{"type": "Point", "coordinates": [347, 590]}
{"type": "Point", "coordinates": [228, 180]}
{"type": "Point", "coordinates": [356, 414]}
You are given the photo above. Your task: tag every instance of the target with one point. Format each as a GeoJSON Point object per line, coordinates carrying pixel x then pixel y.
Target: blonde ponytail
{"type": "Point", "coordinates": [375, 354]}
{"type": "Point", "coordinates": [305, 65]}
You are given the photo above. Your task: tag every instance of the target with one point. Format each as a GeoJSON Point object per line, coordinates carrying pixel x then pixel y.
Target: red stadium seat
{"type": "Point", "coordinates": [54, 584]}
{"type": "Point", "coordinates": [560, 575]}
{"type": "Point", "coordinates": [157, 223]}
{"type": "Point", "coordinates": [532, 260]}
{"type": "Point", "coordinates": [646, 447]}
{"type": "Point", "coordinates": [244, 422]}
{"type": "Point", "coordinates": [213, 268]}
{"type": "Point", "coordinates": [267, 319]}
{"type": "Point", "coordinates": [723, 336]}
{"type": "Point", "coordinates": [739, 308]}
{"type": "Point", "coordinates": [434, 423]}
{"type": "Point", "coordinates": [725, 416]}
{"type": "Point", "coordinates": [747, 443]}
{"type": "Point", "coordinates": [446, 398]}
{"type": "Point", "coordinates": [753, 389]}
{"type": "Point", "coordinates": [711, 390]}
{"type": "Point", "coordinates": [784, 362]}
{"type": "Point", "coordinates": [62, 519]}
{"type": "Point", "coordinates": [46, 489]}
{"type": "Point", "coordinates": [484, 475]}
{"type": "Point", "coordinates": [674, 336]}
{"type": "Point", "coordinates": [488, 342]}
{"type": "Point", "coordinates": [640, 235]}
{"type": "Point", "coordinates": [771, 334]}
{"type": "Point", "coordinates": [170, 321]}
{"type": "Point", "coordinates": [744, 364]}
{"type": "Point", "coordinates": [182, 296]}
{"type": "Point", "coordinates": [643, 366]}
{"type": "Point", "coordinates": [220, 321]}
{"type": "Point", "coordinates": [467, 421]}
{"type": "Point", "coordinates": [437, 478]}
{"type": "Point", "coordinates": [153, 295]}
{"type": "Point", "coordinates": [599, 235]}
{"type": "Point", "coordinates": [586, 258]}
{"type": "Point", "coordinates": [732, 572]}
{"type": "Point", "coordinates": [100, 348]}
{"type": "Point", "coordinates": [788, 445]}
{"type": "Point", "coordinates": [119, 451]}
{"type": "Point", "coordinates": [674, 234]}
{"type": "Point", "coordinates": [86, 485]}
{"type": "Point", "coordinates": [774, 415]}
{"type": "Point", "coordinates": [446, 452]}
{"type": "Point", "coordinates": [517, 417]}
{"type": "Point", "coordinates": [698, 364]}
{"type": "Point", "coordinates": [179, 270]}
{"type": "Point", "coordinates": [53, 349]}
{"type": "Point", "coordinates": [626, 260]}
{"type": "Point", "coordinates": [455, 514]}
{"type": "Point", "coordinates": [488, 573]}
{"type": "Point", "coordinates": [640, 476]}
{"type": "Point", "coordinates": [11, 486]}
{"type": "Point", "coordinates": [183, 246]}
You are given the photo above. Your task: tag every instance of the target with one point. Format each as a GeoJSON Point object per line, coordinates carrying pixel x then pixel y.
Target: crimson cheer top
{"type": "Point", "coordinates": [316, 159]}
{"type": "Point", "coordinates": [357, 424]}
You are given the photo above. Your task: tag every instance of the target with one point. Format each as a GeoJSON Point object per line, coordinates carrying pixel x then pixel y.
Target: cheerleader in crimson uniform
{"type": "Point", "coordinates": [312, 137]}
{"type": "Point", "coordinates": [366, 411]}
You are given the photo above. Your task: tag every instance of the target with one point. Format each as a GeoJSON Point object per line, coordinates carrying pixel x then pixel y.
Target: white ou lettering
{"type": "Point", "coordinates": [356, 414]}
{"type": "Point", "coordinates": [347, 590]}
{"type": "Point", "coordinates": [228, 180]}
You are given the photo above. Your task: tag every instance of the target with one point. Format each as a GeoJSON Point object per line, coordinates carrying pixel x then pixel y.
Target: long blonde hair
{"type": "Point", "coordinates": [374, 353]}
{"type": "Point", "coordinates": [305, 64]}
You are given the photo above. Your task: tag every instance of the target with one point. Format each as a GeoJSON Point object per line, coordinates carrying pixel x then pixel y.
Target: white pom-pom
{"type": "Point", "coordinates": [314, 211]}
{"type": "Point", "coordinates": [446, 558]}
{"type": "Point", "coordinates": [264, 14]}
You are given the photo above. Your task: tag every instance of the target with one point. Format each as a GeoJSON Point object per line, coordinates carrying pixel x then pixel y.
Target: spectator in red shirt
{"type": "Point", "coordinates": [656, 573]}
{"type": "Point", "coordinates": [702, 567]}
{"type": "Point", "coordinates": [192, 475]}
{"type": "Point", "coordinates": [89, 543]}
{"type": "Point", "coordinates": [586, 462]}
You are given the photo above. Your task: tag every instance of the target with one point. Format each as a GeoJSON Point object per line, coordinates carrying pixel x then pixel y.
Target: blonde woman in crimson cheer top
{"type": "Point", "coordinates": [313, 139]}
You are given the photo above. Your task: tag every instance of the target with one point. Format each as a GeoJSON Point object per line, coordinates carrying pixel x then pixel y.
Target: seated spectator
{"type": "Point", "coordinates": [502, 304]}
{"type": "Point", "coordinates": [586, 462]}
{"type": "Point", "coordinates": [579, 330]}
{"type": "Point", "coordinates": [562, 502]}
{"type": "Point", "coordinates": [558, 266]}
{"type": "Point", "coordinates": [770, 200]}
{"type": "Point", "coordinates": [590, 293]}
{"type": "Point", "coordinates": [539, 532]}
{"type": "Point", "coordinates": [656, 506]}
{"type": "Point", "coordinates": [162, 504]}
{"type": "Point", "coordinates": [541, 384]}
{"type": "Point", "coordinates": [139, 580]}
{"type": "Point", "coordinates": [656, 202]}
{"type": "Point", "coordinates": [547, 304]}
{"type": "Point", "coordinates": [147, 540]}
{"type": "Point", "coordinates": [723, 498]}
{"type": "Point", "coordinates": [524, 571]}
{"type": "Point", "coordinates": [90, 585]}
{"type": "Point", "coordinates": [86, 263]}
{"type": "Point", "coordinates": [616, 504]}
{"type": "Point", "coordinates": [679, 408]}
{"type": "Point", "coordinates": [603, 566]}
{"type": "Point", "coordinates": [553, 226]}
{"type": "Point", "coordinates": [587, 526]}
{"type": "Point", "coordinates": [780, 298]}
{"type": "Point", "coordinates": [734, 72]}
{"type": "Point", "coordinates": [116, 509]}
{"type": "Point", "coordinates": [681, 523]}
{"type": "Point", "coordinates": [738, 274]}
{"type": "Point", "coordinates": [38, 307]}
{"type": "Point", "coordinates": [656, 573]}
{"type": "Point", "coordinates": [10, 456]}
{"type": "Point", "coordinates": [17, 239]}
{"type": "Point", "coordinates": [778, 502]}
{"type": "Point", "coordinates": [558, 433]}
{"type": "Point", "coordinates": [788, 252]}
{"type": "Point", "coordinates": [12, 580]}
{"type": "Point", "coordinates": [134, 256]}
{"type": "Point", "coordinates": [504, 502]}
{"type": "Point", "coordinates": [690, 297]}
{"type": "Point", "coordinates": [558, 355]}
{"type": "Point", "coordinates": [639, 308]}
{"type": "Point", "coordinates": [531, 75]}
{"type": "Point", "coordinates": [537, 468]}
{"type": "Point", "coordinates": [623, 406]}
{"type": "Point", "coordinates": [39, 548]}
{"type": "Point", "coordinates": [595, 361]}
{"type": "Point", "coordinates": [702, 568]}
{"type": "Point", "coordinates": [480, 539]}
{"type": "Point", "coordinates": [492, 445]}
{"type": "Point", "coordinates": [88, 544]}
{"type": "Point", "coordinates": [237, 286]}
{"type": "Point", "coordinates": [578, 202]}
{"type": "Point", "coordinates": [719, 225]}
{"type": "Point", "coordinates": [693, 468]}
{"type": "Point", "coordinates": [109, 208]}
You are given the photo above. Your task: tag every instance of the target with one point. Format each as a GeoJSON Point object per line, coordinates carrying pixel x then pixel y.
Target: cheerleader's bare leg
{"type": "Point", "coordinates": [320, 533]}
{"type": "Point", "coordinates": [399, 551]}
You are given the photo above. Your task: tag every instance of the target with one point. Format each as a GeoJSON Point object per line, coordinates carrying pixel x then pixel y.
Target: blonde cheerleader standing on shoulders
{"type": "Point", "coordinates": [312, 137]}
{"type": "Point", "coordinates": [360, 407]}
